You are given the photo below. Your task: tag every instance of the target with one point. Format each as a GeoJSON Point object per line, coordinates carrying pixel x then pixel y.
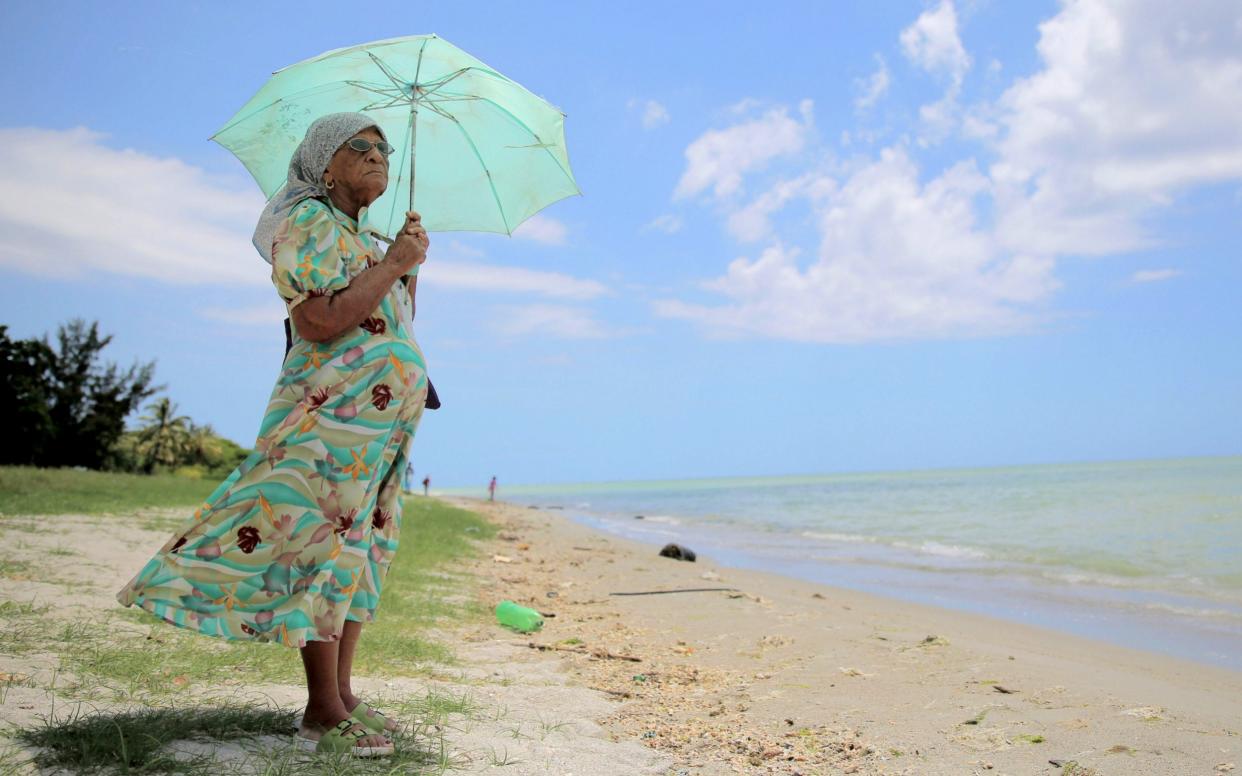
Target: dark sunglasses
{"type": "Point", "coordinates": [362, 146]}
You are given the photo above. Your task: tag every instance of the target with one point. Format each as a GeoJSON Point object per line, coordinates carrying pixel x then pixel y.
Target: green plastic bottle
{"type": "Point", "coordinates": [517, 617]}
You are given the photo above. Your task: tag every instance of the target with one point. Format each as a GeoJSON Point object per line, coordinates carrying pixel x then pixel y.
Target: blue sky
{"type": "Point", "coordinates": [812, 238]}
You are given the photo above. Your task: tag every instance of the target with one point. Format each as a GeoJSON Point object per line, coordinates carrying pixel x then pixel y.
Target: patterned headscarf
{"type": "Point", "coordinates": [323, 137]}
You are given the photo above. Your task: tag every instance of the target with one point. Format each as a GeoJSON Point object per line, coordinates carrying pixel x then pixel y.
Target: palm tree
{"type": "Point", "coordinates": [202, 446]}
{"type": "Point", "coordinates": [163, 434]}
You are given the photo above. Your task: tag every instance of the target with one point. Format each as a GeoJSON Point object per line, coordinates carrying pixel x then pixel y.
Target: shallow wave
{"type": "Point", "coordinates": [1090, 578]}
{"type": "Point", "coordinates": [938, 560]}
{"type": "Point", "coordinates": [1194, 611]}
{"type": "Point", "coordinates": [840, 537]}
{"type": "Point", "coordinates": [929, 547]}
{"type": "Point", "coordinates": [944, 550]}
{"type": "Point", "coordinates": [666, 519]}
{"type": "Point", "coordinates": [1228, 581]}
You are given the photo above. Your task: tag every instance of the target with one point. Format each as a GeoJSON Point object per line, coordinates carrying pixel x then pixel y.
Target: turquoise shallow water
{"type": "Point", "coordinates": [1144, 553]}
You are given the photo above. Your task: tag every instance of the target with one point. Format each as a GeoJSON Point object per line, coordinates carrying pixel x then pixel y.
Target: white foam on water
{"type": "Point", "coordinates": [938, 549]}
{"type": "Point", "coordinates": [1088, 578]}
{"type": "Point", "coordinates": [666, 519]}
{"type": "Point", "coordinates": [1194, 611]}
{"type": "Point", "coordinates": [943, 550]}
{"type": "Point", "coordinates": [840, 537]}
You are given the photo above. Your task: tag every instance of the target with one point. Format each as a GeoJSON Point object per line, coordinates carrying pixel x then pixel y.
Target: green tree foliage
{"type": "Point", "coordinates": [164, 436]}
{"type": "Point", "coordinates": [69, 408]}
{"type": "Point", "coordinates": [210, 453]}
{"type": "Point", "coordinates": [25, 370]}
{"type": "Point", "coordinates": [199, 453]}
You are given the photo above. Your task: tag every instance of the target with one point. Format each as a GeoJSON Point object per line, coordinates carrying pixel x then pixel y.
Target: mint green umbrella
{"type": "Point", "coordinates": [489, 153]}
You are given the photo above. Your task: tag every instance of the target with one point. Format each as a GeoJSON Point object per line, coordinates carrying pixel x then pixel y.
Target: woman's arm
{"type": "Point", "coordinates": [321, 318]}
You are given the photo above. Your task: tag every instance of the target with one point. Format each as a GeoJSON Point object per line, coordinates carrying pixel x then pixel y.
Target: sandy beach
{"type": "Point", "coordinates": [779, 676]}
{"type": "Point", "coordinates": [768, 676]}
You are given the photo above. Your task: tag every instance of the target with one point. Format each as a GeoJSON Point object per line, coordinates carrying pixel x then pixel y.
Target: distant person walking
{"type": "Point", "coordinates": [426, 484]}
{"type": "Point", "coordinates": [491, 489]}
{"type": "Point", "coordinates": [294, 545]}
{"type": "Point", "coordinates": [409, 477]}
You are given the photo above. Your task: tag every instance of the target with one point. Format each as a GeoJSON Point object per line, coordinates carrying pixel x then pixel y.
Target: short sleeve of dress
{"type": "Point", "coordinates": [306, 255]}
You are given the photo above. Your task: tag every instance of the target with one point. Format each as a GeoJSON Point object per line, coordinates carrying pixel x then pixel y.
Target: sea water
{"type": "Point", "coordinates": [1147, 554]}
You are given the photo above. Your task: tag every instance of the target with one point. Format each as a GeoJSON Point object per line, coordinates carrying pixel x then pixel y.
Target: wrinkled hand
{"type": "Point", "coordinates": [409, 249]}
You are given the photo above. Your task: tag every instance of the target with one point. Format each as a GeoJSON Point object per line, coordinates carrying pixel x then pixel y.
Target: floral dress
{"type": "Point", "coordinates": [299, 538]}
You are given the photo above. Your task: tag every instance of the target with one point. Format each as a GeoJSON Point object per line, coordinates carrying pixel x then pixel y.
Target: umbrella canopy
{"type": "Point", "coordinates": [475, 151]}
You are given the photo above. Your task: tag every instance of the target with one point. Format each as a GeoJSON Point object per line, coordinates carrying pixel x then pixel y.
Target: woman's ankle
{"type": "Point", "coordinates": [324, 715]}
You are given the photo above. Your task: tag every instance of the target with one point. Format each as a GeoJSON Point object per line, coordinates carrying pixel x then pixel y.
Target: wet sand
{"type": "Point", "coordinates": [781, 676]}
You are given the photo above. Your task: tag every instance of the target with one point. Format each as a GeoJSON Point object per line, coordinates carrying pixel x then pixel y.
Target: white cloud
{"type": "Point", "coordinates": [456, 249]}
{"type": "Point", "coordinates": [939, 119]}
{"type": "Point", "coordinates": [87, 208]}
{"type": "Point", "coordinates": [744, 106]}
{"type": "Point", "coordinates": [979, 124]}
{"type": "Point", "coordinates": [74, 207]}
{"type": "Point", "coordinates": [542, 229]}
{"type": "Point", "coordinates": [474, 276]}
{"type": "Point", "coordinates": [719, 158]}
{"type": "Point", "coordinates": [555, 321]}
{"type": "Point", "coordinates": [667, 223]}
{"type": "Point", "coordinates": [752, 222]}
{"type": "Point", "coordinates": [1134, 103]}
{"type": "Point", "coordinates": [256, 315]}
{"type": "Point", "coordinates": [897, 260]}
{"type": "Point", "coordinates": [653, 113]}
{"type": "Point", "coordinates": [873, 87]}
{"type": "Point", "coordinates": [1154, 275]}
{"type": "Point", "coordinates": [932, 43]}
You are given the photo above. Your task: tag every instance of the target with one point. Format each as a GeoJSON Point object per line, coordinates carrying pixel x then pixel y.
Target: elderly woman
{"type": "Point", "coordinates": [294, 545]}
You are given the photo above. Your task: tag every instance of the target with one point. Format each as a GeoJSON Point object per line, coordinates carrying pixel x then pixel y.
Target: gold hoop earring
{"type": "Point", "coordinates": [329, 184]}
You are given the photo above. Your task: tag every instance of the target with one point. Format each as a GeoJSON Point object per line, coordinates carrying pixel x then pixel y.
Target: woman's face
{"type": "Point", "coordinates": [358, 177]}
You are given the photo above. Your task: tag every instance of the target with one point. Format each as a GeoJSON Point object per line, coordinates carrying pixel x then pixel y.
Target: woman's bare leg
{"type": "Point", "coordinates": [345, 663]}
{"type": "Point", "coordinates": [324, 708]}
{"type": "Point", "coordinates": [345, 668]}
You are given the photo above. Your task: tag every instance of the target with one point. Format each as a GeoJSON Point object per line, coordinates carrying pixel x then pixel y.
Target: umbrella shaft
{"type": "Point", "coordinates": [413, 136]}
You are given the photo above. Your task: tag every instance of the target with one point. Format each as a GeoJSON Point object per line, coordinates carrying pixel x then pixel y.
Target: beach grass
{"type": "Point", "coordinates": [125, 656]}
{"type": "Point", "coordinates": [169, 741]}
{"type": "Point", "coordinates": [136, 740]}
{"type": "Point", "coordinates": [426, 587]}
{"type": "Point", "coordinates": [422, 590]}
{"type": "Point", "coordinates": [26, 490]}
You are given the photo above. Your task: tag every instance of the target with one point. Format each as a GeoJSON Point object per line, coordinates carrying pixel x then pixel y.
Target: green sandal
{"type": "Point", "coordinates": [373, 719]}
{"type": "Point", "coordinates": [344, 739]}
